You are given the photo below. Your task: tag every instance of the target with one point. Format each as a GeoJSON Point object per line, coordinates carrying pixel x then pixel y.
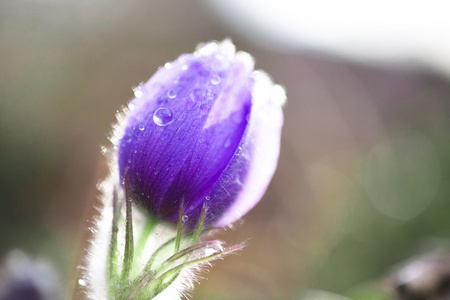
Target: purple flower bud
{"type": "Point", "coordinates": [204, 130]}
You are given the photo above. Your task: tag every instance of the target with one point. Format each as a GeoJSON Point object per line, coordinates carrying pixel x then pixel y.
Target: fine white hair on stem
{"type": "Point", "coordinates": [96, 264]}
{"type": "Point", "coordinates": [95, 272]}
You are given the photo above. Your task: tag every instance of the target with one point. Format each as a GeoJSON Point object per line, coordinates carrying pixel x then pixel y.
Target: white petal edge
{"type": "Point", "coordinates": [263, 140]}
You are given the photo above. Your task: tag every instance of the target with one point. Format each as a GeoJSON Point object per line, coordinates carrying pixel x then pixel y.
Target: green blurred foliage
{"type": "Point", "coordinates": [374, 241]}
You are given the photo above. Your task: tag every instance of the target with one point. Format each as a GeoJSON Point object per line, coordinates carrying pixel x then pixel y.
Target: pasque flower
{"type": "Point", "coordinates": [203, 131]}
{"type": "Point", "coordinates": [197, 146]}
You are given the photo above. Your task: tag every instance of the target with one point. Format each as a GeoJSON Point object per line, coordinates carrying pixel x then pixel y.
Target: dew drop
{"type": "Point", "coordinates": [168, 66]}
{"type": "Point", "coordinates": [82, 282]}
{"type": "Point", "coordinates": [141, 127]}
{"type": "Point", "coordinates": [215, 79]}
{"type": "Point", "coordinates": [184, 67]}
{"type": "Point", "coordinates": [162, 116]}
{"type": "Point", "coordinates": [184, 218]}
{"type": "Point", "coordinates": [207, 198]}
{"type": "Point", "coordinates": [209, 96]}
{"type": "Point", "coordinates": [192, 207]}
{"type": "Point", "coordinates": [138, 92]}
{"type": "Point", "coordinates": [131, 105]}
{"type": "Point", "coordinates": [171, 94]}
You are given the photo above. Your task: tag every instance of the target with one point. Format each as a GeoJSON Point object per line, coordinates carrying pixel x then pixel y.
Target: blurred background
{"type": "Point", "coordinates": [359, 206]}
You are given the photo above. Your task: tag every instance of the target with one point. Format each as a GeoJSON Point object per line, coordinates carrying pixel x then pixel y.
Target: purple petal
{"type": "Point", "coordinates": [197, 131]}
{"type": "Point", "coordinates": [241, 188]}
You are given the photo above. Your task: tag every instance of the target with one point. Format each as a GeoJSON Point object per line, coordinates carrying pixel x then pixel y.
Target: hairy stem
{"type": "Point", "coordinates": [129, 242]}
{"type": "Point", "coordinates": [113, 251]}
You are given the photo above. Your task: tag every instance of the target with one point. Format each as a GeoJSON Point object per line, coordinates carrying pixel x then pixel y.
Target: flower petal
{"type": "Point", "coordinates": [258, 152]}
{"type": "Point", "coordinates": [186, 124]}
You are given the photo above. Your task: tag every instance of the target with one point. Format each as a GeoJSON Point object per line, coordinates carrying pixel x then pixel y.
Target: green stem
{"type": "Point", "coordinates": [173, 273]}
{"type": "Point", "coordinates": [200, 225]}
{"type": "Point", "coordinates": [146, 274]}
{"type": "Point", "coordinates": [113, 251]}
{"type": "Point", "coordinates": [180, 221]}
{"type": "Point", "coordinates": [129, 242]}
{"type": "Point", "coordinates": [143, 238]}
{"type": "Point", "coordinates": [164, 278]}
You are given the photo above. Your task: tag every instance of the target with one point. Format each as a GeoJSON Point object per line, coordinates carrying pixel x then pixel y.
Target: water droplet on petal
{"type": "Point", "coordinates": [141, 127]}
{"type": "Point", "coordinates": [162, 116]}
{"type": "Point", "coordinates": [171, 94]}
{"type": "Point", "coordinates": [192, 207]}
{"type": "Point", "coordinates": [215, 79]}
{"type": "Point", "coordinates": [209, 96]}
{"type": "Point", "coordinates": [184, 218]}
{"type": "Point", "coordinates": [131, 105]}
{"type": "Point", "coordinates": [168, 66]}
{"type": "Point", "coordinates": [207, 198]}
